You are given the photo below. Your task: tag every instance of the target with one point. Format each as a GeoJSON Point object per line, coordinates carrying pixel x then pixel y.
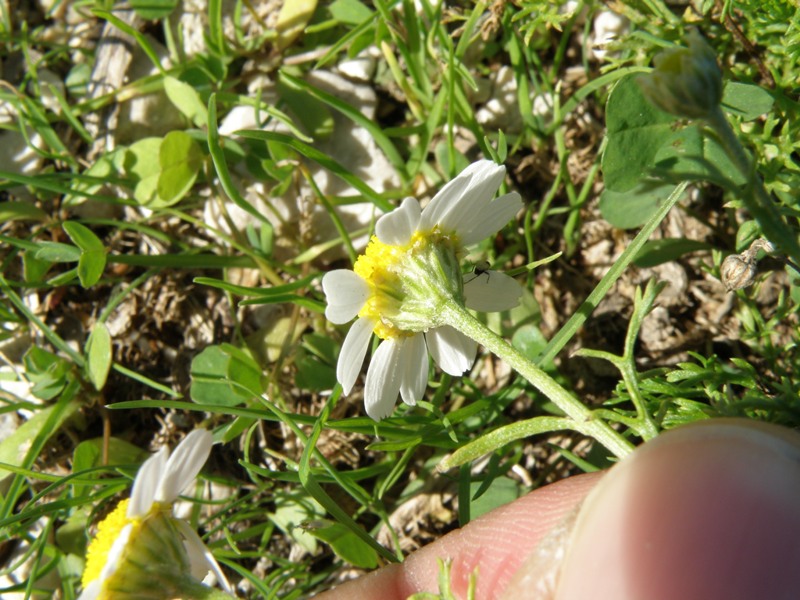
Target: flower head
{"type": "Point", "coordinates": [400, 286]}
{"type": "Point", "coordinates": [686, 82]}
{"type": "Point", "coordinates": [140, 542]}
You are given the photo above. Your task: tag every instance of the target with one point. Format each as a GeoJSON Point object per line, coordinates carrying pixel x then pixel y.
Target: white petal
{"type": "Point", "coordinates": [443, 202]}
{"type": "Point", "coordinates": [184, 465]}
{"type": "Point", "coordinates": [414, 368]}
{"type": "Point", "coordinates": [474, 185]}
{"type": "Point", "coordinates": [115, 553]}
{"type": "Point", "coordinates": [488, 219]}
{"type": "Point", "coordinates": [452, 350]}
{"type": "Point", "coordinates": [353, 351]}
{"type": "Point", "coordinates": [383, 381]}
{"type": "Point", "coordinates": [201, 559]}
{"type": "Point", "coordinates": [146, 483]}
{"type": "Point", "coordinates": [397, 227]}
{"type": "Point", "coordinates": [346, 293]}
{"type": "Point", "coordinates": [92, 591]}
{"type": "Point", "coordinates": [492, 291]}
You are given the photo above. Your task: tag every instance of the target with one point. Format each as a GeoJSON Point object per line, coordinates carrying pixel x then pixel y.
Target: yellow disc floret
{"type": "Point", "coordinates": [408, 282]}
{"type": "Point", "coordinates": [107, 532]}
{"type": "Point", "coordinates": [380, 266]}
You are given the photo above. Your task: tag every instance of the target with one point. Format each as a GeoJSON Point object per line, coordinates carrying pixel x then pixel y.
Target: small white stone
{"type": "Point", "coordinates": [297, 212]}
{"type": "Point", "coordinates": [543, 107]}
{"type": "Point", "coordinates": [242, 117]}
{"type": "Point", "coordinates": [608, 27]}
{"type": "Point", "coordinates": [360, 68]}
{"type": "Point", "coordinates": [48, 81]}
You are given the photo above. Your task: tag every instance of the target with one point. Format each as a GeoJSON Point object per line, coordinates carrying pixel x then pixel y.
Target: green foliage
{"type": "Point", "coordinates": [225, 376]}
{"type": "Point", "coordinates": [98, 355]}
{"type": "Point", "coordinates": [163, 169]}
{"type": "Point", "coordinates": [136, 301]}
{"type": "Point", "coordinates": [345, 544]}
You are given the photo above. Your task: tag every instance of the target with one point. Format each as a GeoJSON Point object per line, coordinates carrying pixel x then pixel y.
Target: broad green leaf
{"type": "Point", "coordinates": [224, 376]}
{"type": "Point", "coordinates": [312, 113]}
{"type": "Point", "coordinates": [636, 131]}
{"type": "Point", "coordinates": [45, 422]}
{"type": "Point", "coordinates": [292, 20]}
{"type": "Point", "coordinates": [688, 154]}
{"type": "Point", "coordinates": [187, 100]}
{"type": "Point", "coordinates": [180, 159]}
{"type": "Point", "coordinates": [656, 252]}
{"type": "Point", "coordinates": [21, 211]}
{"type": "Point", "coordinates": [346, 544]}
{"type": "Point", "coordinates": [96, 176]}
{"type": "Point", "coordinates": [746, 100]}
{"type": "Point", "coordinates": [55, 252]}
{"type": "Point", "coordinates": [92, 261]}
{"type": "Point", "coordinates": [47, 371]}
{"type": "Point", "coordinates": [34, 268]}
{"type": "Point", "coordinates": [152, 10]}
{"type": "Point", "coordinates": [90, 267]}
{"type": "Point", "coordinates": [634, 207]}
{"type": "Point", "coordinates": [98, 355]}
{"type": "Point", "coordinates": [322, 346]}
{"type": "Point", "coordinates": [529, 340]}
{"type": "Point", "coordinates": [88, 453]}
{"type": "Point", "coordinates": [643, 141]}
{"type": "Point", "coordinates": [746, 235]}
{"type": "Point", "coordinates": [291, 513]}
{"type": "Point", "coordinates": [313, 374]}
{"type": "Point", "coordinates": [142, 164]}
{"type": "Point", "coordinates": [350, 12]}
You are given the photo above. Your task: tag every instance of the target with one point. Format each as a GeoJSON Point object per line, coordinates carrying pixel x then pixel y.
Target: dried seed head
{"type": "Point", "coordinates": [737, 272]}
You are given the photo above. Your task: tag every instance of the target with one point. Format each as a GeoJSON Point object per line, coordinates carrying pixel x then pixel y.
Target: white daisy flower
{"type": "Point", "coordinates": [141, 547]}
{"type": "Point", "coordinates": [405, 277]}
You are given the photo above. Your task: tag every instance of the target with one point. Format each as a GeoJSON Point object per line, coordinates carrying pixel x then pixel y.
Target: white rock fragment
{"type": "Point", "coordinates": [362, 67]}
{"type": "Point", "coordinates": [570, 7]}
{"type": "Point", "coordinates": [254, 24]}
{"type": "Point", "coordinates": [542, 108]}
{"type": "Point", "coordinates": [50, 84]}
{"type": "Point", "coordinates": [501, 111]}
{"type": "Point", "coordinates": [608, 26]}
{"type": "Point", "coordinates": [501, 108]}
{"type": "Point", "coordinates": [19, 153]}
{"type": "Point", "coordinates": [298, 214]}
{"type": "Point", "coordinates": [148, 114]}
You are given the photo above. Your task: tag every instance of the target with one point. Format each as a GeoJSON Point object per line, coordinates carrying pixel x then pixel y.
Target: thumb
{"type": "Point", "coordinates": [707, 511]}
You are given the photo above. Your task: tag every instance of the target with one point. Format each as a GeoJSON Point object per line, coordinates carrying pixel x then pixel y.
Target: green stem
{"type": "Point", "coordinates": [584, 420]}
{"type": "Point", "coordinates": [574, 323]}
{"type": "Point", "coordinates": [755, 195]}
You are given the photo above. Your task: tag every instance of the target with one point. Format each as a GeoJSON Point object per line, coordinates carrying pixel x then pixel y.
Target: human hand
{"type": "Point", "coordinates": [709, 511]}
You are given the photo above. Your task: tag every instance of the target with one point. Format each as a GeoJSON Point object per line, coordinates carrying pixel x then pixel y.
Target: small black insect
{"type": "Point", "coordinates": [480, 268]}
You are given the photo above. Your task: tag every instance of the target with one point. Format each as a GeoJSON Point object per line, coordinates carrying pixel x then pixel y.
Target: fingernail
{"type": "Point", "coordinates": [705, 511]}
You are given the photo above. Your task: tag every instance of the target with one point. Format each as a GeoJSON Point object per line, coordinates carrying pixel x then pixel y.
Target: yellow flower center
{"type": "Point", "coordinates": [107, 532]}
{"type": "Point", "coordinates": [379, 266]}
{"type": "Point", "coordinates": [407, 281]}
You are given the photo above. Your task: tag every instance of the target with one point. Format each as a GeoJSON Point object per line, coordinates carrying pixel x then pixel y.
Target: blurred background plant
{"type": "Point", "coordinates": [177, 177]}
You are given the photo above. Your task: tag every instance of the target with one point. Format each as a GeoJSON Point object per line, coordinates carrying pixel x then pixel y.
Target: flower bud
{"type": "Point", "coordinates": [686, 82]}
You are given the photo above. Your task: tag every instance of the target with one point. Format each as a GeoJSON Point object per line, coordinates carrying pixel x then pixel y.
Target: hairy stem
{"type": "Point", "coordinates": [583, 419]}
